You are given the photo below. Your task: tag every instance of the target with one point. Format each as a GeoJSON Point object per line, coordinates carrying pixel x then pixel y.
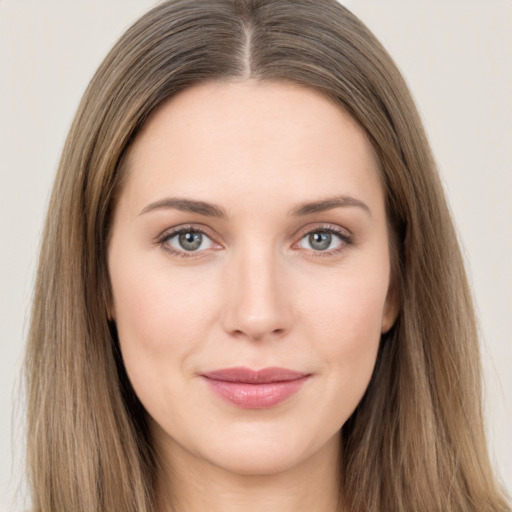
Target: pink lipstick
{"type": "Point", "coordinates": [255, 389]}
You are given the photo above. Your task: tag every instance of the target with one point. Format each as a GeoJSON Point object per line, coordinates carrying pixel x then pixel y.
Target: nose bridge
{"type": "Point", "coordinates": [257, 306]}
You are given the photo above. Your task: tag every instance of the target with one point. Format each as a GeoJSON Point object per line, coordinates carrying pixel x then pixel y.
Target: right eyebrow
{"type": "Point", "coordinates": [186, 205]}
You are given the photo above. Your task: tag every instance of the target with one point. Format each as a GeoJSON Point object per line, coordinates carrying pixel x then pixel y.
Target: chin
{"type": "Point", "coordinates": [261, 455]}
{"type": "Point", "coordinates": [257, 462]}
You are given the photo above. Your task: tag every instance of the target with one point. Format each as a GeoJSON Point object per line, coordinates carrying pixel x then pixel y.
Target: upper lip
{"type": "Point", "coordinates": [249, 376]}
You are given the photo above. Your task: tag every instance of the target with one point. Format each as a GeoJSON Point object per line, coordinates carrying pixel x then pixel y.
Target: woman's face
{"type": "Point", "coordinates": [250, 271]}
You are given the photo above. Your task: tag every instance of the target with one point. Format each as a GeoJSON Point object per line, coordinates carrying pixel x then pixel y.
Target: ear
{"type": "Point", "coordinates": [109, 308]}
{"type": "Point", "coordinates": [392, 306]}
{"type": "Point", "coordinates": [108, 300]}
{"type": "Point", "coordinates": [110, 314]}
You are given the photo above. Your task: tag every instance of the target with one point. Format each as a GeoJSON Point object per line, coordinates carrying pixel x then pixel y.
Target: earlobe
{"type": "Point", "coordinates": [391, 308]}
{"type": "Point", "coordinates": [388, 320]}
{"type": "Point", "coordinates": [110, 312]}
{"type": "Point", "coordinates": [108, 301]}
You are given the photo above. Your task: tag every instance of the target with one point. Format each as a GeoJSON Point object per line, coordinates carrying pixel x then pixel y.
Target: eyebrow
{"type": "Point", "coordinates": [186, 205]}
{"type": "Point", "coordinates": [212, 210]}
{"type": "Point", "coordinates": [328, 204]}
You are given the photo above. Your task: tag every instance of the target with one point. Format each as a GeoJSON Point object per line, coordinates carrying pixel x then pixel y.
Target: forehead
{"type": "Point", "coordinates": [251, 138]}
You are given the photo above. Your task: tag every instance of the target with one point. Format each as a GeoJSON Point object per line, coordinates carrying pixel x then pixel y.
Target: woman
{"type": "Point", "coordinates": [190, 349]}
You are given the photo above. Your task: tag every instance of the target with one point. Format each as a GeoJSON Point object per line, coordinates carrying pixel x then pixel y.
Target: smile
{"type": "Point", "coordinates": [251, 389]}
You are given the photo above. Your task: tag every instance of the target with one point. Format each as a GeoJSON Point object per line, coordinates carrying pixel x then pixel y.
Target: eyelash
{"type": "Point", "coordinates": [345, 238]}
{"type": "Point", "coordinates": [168, 235]}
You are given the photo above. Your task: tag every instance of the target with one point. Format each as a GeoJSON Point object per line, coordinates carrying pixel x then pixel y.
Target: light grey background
{"type": "Point", "coordinates": [456, 56]}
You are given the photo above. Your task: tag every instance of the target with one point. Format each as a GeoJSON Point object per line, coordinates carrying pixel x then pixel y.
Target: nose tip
{"type": "Point", "coordinates": [258, 306]}
{"type": "Point", "coordinates": [257, 329]}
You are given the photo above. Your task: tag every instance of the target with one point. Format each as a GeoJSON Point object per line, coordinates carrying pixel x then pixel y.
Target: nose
{"type": "Point", "coordinates": [258, 305]}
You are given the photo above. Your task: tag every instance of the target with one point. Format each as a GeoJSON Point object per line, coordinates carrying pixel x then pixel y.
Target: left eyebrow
{"type": "Point", "coordinates": [328, 204]}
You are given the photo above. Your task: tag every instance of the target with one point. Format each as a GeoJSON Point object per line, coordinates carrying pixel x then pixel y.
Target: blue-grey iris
{"type": "Point", "coordinates": [190, 240]}
{"type": "Point", "coordinates": [320, 240]}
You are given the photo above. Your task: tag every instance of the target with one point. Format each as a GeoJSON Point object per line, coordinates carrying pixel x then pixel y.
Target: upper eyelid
{"type": "Point", "coordinates": [198, 228]}
{"type": "Point", "coordinates": [332, 228]}
{"type": "Point", "coordinates": [298, 235]}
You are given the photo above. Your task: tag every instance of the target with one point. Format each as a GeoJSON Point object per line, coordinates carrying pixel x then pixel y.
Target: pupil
{"type": "Point", "coordinates": [190, 241]}
{"type": "Point", "coordinates": [320, 240]}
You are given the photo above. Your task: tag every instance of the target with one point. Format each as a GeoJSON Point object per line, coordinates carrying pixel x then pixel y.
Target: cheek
{"type": "Point", "coordinates": [344, 323]}
{"type": "Point", "coordinates": [160, 318]}
{"type": "Point", "coordinates": [153, 302]}
{"type": "Point", "coordinates": [347, 309]}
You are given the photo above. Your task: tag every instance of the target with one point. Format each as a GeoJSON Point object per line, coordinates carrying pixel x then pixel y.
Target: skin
{"type": "Point", "coordinates": [256, 293]}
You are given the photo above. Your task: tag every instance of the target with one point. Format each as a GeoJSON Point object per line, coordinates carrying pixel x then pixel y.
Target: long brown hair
{"type": "Point", "coordinates": [416, 440]}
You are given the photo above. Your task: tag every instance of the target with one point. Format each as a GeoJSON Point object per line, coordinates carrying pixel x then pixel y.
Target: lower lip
{"type": "Point", "coordinates": [256, 396]}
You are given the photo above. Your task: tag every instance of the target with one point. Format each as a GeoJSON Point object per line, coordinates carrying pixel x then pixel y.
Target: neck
{"type": "Point", "coordinates": [312, 485]}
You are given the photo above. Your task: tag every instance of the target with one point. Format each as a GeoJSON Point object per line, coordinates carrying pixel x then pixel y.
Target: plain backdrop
{"type": "Point", "coordinates": [457, 58]}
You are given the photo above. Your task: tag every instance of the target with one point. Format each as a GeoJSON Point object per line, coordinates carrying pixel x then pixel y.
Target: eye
{"type": "Point", "coordinates": [323, 240]}
{"type": "Point", "coordinates": [187, 240]}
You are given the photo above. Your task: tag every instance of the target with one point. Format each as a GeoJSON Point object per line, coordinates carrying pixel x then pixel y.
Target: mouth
{"type": "Point", "coordinates": [255, 389]}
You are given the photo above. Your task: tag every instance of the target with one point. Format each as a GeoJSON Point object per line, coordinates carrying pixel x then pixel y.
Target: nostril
{"type": "Point", "coordinates": [257, 334]}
